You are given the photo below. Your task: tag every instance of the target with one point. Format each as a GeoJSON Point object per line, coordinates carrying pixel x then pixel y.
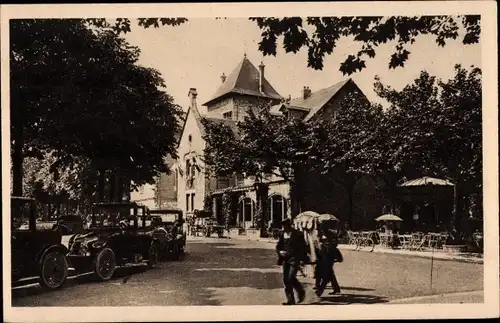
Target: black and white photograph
{"type": "Point", "coordinates": [235, 161]}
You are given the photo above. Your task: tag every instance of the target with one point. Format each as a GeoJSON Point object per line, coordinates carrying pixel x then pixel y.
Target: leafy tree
{"type": "Point", "coordinates": [436, 128]}
{"type": "Point", "coordinates": [370, 31]}
{"type": "Point", "coordinates": [350, 145]}
{"type": "Point", "coordinates": [327, 31]}
{"type": "Point", "coordinates": [78, 92]}
{"type": "Point", "coordinates": [263, 144]}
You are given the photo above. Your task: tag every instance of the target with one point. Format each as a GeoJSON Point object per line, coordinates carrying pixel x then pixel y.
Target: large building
{"type": "Point", "coordinates": [243, 89]}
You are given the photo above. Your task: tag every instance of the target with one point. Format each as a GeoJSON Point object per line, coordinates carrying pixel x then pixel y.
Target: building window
{"type": "Point", "coordinates": [228, 115]}
{"type": "Point", "coordinates": [190, 138]}
{"type": "Point", "coordinates": [192, 202]}
{"type": "Point", "coordinates": [187, 202]}
{"type": "Point", "coordinates": [188, 168]}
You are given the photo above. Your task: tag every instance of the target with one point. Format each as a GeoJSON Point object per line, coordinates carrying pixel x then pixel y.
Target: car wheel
{"type": "Point", "coordinates": [105, 264]}
{"type": "Point", "coordinates": [153, 255]}
{"type": "Point", "coordinates": [53, 270]}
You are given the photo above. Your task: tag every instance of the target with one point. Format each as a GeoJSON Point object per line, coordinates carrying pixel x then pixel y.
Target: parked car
{"type": "Point", "coordinates": [35, 252]}
{"type": "Point", "coordinates": [169, 231]}
{"type": "Point", "coordinates": [113, 239]}
{"type": "Point", "coordinates": [206, 224]}
{"type": "Point", "coordinates": [69, 224]}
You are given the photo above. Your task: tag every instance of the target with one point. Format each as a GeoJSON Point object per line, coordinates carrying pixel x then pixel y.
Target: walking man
{"type": "Point", "coordinates": [292, 252]}
{"type": "Point", "coordinates": [328, 255]}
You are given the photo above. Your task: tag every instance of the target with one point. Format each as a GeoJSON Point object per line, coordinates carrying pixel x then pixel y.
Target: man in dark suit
{"type": "Point", "coordinates": [292, 252]}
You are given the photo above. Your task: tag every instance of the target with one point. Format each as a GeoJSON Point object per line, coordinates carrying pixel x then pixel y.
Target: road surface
{"type": "Point", "coordinates": [234, 272]}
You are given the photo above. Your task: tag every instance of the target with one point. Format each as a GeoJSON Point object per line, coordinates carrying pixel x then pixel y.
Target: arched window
{"type": "Point", "coordinates": [277, 208]}
{"type": "Point", "coordinates": [246, 208]}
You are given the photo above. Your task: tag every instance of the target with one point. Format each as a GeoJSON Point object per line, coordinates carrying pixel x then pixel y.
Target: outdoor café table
{"type": "Point", "coordinates": [404, 240]}
{"type": "Point", "coordinates": [433, 239]}
{"type": "Point", "coordinates": [384, 239]}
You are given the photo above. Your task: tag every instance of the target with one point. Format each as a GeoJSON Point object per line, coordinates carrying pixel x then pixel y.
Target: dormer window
{"type": "Point", "coordinates": [228, 115]}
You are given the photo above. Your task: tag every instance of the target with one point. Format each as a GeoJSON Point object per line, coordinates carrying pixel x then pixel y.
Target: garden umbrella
{"type": "Point", "coordinates": [388, 217]}
{"type": "Point", "coordinates": [423, 186]}
{"type": "Point", "coordinates": [302, 219]}
{"type": "Point", "coordinates": [327, 217]}
{"type": "Point", "coordinates": [426, 180]}
{"type": "Point", "coordinates": [308, 214]}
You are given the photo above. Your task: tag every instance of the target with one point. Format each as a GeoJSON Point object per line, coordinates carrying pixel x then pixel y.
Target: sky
{"type": "Point", "coordinates": [195, 54]}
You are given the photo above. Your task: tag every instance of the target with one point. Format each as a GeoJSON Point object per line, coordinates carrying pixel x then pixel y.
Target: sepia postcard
{"type": "Point", "coordinates": [236, 161]}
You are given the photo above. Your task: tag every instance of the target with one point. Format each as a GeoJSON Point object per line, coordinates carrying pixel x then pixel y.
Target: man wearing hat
{"type": "Point", "coordinates": [292, 251]}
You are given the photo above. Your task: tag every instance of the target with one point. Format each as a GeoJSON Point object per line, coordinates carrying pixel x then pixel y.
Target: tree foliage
{"type": "Point", "coordinates": [369, 31]}
{"type": "Point", "coordinates": [79, 93]}
{"type": "Point", "coordinates": [436, 126]}
{"type": "Point", "coordinates": [432, 127]}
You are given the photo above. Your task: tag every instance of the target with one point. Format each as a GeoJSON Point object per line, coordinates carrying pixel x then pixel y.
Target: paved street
{"type": "Point", "coordinates": [234, 272]}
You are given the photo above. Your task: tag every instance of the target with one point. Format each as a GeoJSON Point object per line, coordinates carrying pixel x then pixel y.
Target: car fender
{"type": "Point", "coordinates": [61, 248]}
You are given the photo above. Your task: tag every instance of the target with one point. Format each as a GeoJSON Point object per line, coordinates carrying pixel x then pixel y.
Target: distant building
{"type": "Point", "coordinates": [144, 196]}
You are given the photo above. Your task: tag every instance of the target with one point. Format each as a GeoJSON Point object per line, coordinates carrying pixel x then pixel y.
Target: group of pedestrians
{"type": "Point", "coordinates": [294, 251]}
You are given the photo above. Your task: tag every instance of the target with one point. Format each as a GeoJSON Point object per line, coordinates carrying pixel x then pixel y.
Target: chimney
{"type": "Point", "coordinates": [306, 92]}
{"type": "Point", "coordinates": [223, 77]}
{"type": "Point", "coordinates": [261, 77]}
{"type": "Point", "coordinates": [193, 94]}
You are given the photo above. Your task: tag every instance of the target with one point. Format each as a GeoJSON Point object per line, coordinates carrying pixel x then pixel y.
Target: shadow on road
{"type": "Point", "coordinates": [359, 289]}
{"type": "Point", "coordinates": [347, 299]}
{"type": "Point", "coordinates": [121, 274]}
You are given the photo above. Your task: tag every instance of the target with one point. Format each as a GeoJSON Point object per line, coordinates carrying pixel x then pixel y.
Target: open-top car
{"type": "Point", "coordinates": [35, 252]}
{"type": "Point", "coordinates": [119, 234]}
{"type": "Point", "coordinates": [169, 231]}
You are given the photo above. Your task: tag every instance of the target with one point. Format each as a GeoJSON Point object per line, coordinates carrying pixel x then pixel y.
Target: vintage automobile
{"type": "Point", "coordinates": [206, 224]}
{"type": "Point", "coordinates": [35, 252]}
{"type": "Point", "coordinates": [114, 238]}
{"type": "Point", "coordinates": [169, 231]}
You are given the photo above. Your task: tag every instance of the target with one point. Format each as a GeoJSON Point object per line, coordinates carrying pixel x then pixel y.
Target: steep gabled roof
{"type": "Point", "coordinates": [314, 102]}
{"type": "Point", "coordinates": [244, 79]}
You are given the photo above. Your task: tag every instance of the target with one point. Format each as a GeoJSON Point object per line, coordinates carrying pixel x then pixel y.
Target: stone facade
{"type": "Point", "coordinates": [191, 181]}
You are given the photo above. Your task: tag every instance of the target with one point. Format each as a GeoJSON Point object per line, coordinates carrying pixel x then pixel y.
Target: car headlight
{"type": "Point", "coordinates": [98, 244]}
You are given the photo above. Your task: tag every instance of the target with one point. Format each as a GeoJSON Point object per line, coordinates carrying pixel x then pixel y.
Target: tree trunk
{"type": "Point", "coordinates": [112, 187]}
{"type": "Point", "coordinates": [101, 185]}
{"type": "Point", "coordinates": [294, 199]}
{"type": "Point", "coordinates": [126, 188]}
{"type": "Point", "coordinates": [454, 214]}
{"type": "Point", "coordinates": [17, 162]}
{"type": "Point", "coordinates": [58, 209]}
{"type": "Point", "coordinates": [120, 188]}
{"type": "Point", "coordinates": [262, 196]}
